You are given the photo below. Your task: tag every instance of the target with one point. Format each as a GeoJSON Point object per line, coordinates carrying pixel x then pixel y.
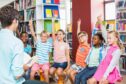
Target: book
{"type": "Point", "coordinates": [48, 26]}
{"type": "Point", "coordinates": [31, 13]}
{"type": "Point", "coordinates": [48, 1]}
{"type": "Point", "coordinates": [21, 15]}
{"type": "Point", "coordinates": [48, 13]}
{"type": "Point", "coordinates": [57, 26]}
{"type": "Point", "coordinates": [55, 13]}
{"type": "Point", "coordinates": [56, 1]}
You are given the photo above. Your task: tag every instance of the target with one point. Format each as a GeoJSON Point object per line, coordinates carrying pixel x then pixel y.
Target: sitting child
{"type": "Point", "coordinates": [61, 54]}
{"type": "Point", "coordinates": [43, 49]}
{"type": "Point", "coordinates": [93, 60]}
{"type": "Point", "coordinates": [108, 71]}
{"type": "Point", "coordinates": [81, 54]}
{"type": "Point", "coordinates": [27, 47]}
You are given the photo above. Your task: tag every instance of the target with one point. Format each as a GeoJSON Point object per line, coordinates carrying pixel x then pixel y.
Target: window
{"type": "Point", "coordinates": [110, 10]}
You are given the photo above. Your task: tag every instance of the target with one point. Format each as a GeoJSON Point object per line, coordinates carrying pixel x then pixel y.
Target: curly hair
{"type": "Point", "coordinates": [7, 15]}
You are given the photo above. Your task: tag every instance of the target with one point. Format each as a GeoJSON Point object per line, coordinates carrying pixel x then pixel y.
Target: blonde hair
{"type": "Point", "coordinates": [44, 32]}
{"type": "Point", "coordinates": [119, 43]}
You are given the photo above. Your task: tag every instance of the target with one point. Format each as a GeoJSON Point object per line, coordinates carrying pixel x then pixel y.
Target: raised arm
{"type": "Point", "coordinates": [53, 31]}
{"type": "Point", "coordinates": [78, 26]}
{"type": "Point", "coordinates": [32, 30]}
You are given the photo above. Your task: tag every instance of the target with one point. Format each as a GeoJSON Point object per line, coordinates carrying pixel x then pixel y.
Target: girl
{"type": "Point", "coordinates": [61, 53]}
{"type": "Point", "coordinates": [92, 60]}
{"type": "Point", "coordinates": [108, 70]}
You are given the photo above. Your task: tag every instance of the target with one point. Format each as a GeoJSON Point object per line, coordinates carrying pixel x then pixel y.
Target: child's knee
{"type": "Point", "coordinates": [59, 72]}
{"type": "Point", "coordinates": [73, 73]}
{"type": "Point", "coordinates": [51, 71]}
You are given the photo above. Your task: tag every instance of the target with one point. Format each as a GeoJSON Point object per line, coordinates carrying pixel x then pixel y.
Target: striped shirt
{"type": "Point", "coordinates": [42, 51]}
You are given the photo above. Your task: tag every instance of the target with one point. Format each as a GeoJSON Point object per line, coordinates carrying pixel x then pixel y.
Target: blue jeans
{"type": "Point", "coordinates": [83, 76]}
{"type": "Point", "coordinates": [27, 74]}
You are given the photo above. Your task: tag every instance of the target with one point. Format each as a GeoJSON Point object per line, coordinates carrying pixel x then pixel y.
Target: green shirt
{"type": "Point", "coordinates": [94, 57]}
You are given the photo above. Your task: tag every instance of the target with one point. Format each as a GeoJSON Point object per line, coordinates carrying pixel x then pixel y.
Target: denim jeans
{"type": "Point", "coordinates": [83, 76]}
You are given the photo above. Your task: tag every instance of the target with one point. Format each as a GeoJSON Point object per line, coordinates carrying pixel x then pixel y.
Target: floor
{"type": "Point", "coordinates": [122, 82]}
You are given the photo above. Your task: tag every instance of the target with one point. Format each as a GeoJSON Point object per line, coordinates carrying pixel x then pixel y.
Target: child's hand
{"type": "Point", "coordinates": [30, 24]}
{"type": "Point", "coordinates": [79, 21]}
{"type": "Point", "coordinates": [102, 81]}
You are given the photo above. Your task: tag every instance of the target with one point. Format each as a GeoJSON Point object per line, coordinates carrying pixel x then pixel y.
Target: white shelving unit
{"type": "Point", "coordinates": [121, 28]}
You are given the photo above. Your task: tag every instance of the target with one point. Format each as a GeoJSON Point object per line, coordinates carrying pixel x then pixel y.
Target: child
{"type": "Point", "coordinates": [81, 54]}
{"type": "Point", "coordinates": [43, 49]}
{"type": "Point", "coordinates": [93, 60]}
{"type": "Point", "coordinates": [27, 47]}
{"type": "Point", "coordinates": [61, 54]}
{"type": "Point", "coordinates": [108, 70]}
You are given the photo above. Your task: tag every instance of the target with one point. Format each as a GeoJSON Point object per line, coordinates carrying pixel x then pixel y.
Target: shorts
{"type": "Point", "coordinates": [77, 68]}
{"type": "Point", "coordinates": [43, 67]}
{"type": "Point", "coordinates": [60, 65]}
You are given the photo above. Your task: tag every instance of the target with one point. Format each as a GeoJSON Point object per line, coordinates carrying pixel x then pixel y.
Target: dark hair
{"type": "Point", "coordinates": [23, 33]}
{"type": "Point", "coordinates": [60, 30]}
{"type": "Point", "coordinates": [7, 15]}
{"type": "Point", "coordinates": [100, 37]}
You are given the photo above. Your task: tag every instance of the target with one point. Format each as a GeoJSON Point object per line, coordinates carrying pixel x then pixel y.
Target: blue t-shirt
{"type": "Point", "coordinates": [42, 51]}
{"type": "Point", "coordinates": [28, 49]}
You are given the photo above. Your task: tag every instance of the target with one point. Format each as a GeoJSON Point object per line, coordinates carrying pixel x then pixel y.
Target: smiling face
{"type": "Point", "coordinates": [44, 37]}
{"type": "Point", "coordinates": [96, 40]}
{"type": "Point", "coordinates": [112, 39]}
{"type": "Point", "coordinates": [24, 37]}
{"type": "Point", "coordinates": [82, 37]}
{"type": "Point", "coordinates": [60, 35]}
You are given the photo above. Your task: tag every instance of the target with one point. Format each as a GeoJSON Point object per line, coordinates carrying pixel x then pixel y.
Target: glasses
{"type": "Point", "coordinates": [81, 36]}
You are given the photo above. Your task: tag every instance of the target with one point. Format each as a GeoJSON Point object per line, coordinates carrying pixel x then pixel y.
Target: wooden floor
{"type": "Point", "coordinates": [122, 82]}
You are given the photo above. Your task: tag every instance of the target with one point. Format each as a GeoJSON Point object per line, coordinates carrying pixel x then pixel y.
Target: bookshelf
{"type": "Point", "coordinates": [121, 28]}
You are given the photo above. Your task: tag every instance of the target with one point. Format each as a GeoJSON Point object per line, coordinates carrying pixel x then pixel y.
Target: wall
{"type": "Point", "coordinates": [80, 9]}
{"type": "Point", "coordinates": [5, 2]}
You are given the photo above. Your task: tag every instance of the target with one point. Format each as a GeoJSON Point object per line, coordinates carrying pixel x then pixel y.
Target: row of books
{"type": "Point", "coordinates": [51, 1]}
{"type": "Point", "coordinates": [48, 26]}
{"type": "Point", "coordinates": [123, 38]}
{"type": "Point", "coordinates": [52, 13]}
{"type": "Point", "coordinates": [121, 26]}
{"type": "Point", "coordinates": [24, 27]}
{"type": "Point", "coordinates": [121, 4]}
{"type": "Point", "coordinates": [121, 15]}
{"type": "Point", "coordinates": [123, 63]}
{"type": "Point", "coordinates": [24, 4]}
{"type": "Point", "coordinates": [31, 13]}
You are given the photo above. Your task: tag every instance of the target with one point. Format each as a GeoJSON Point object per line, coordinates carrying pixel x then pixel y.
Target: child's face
{"type": "Point", "coordinates": [82, 38]}
{"type": "Point", "coordinates": [44, 37]}
{"type": "Point", "coordinates": [111, 39]}
{"type": "Point", "coordinates": [96, 40]}
{"type": "Point", "coordinates": [24, 37]}
{"type": "Point", "coordinates": [60, 35]}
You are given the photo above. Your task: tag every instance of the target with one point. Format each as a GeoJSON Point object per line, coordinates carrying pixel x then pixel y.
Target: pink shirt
{"type": "Point", "coordinates": [60, 51]}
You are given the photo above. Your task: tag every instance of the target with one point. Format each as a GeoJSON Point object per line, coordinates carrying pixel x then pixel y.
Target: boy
{"type": "Point", "coordinates": [81, 54]}
{"type": "Point", "coordinates": [43, 50]}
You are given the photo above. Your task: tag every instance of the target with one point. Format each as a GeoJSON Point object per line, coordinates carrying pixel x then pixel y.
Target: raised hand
{"type": "Point", "coordinates": [79, 21]}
